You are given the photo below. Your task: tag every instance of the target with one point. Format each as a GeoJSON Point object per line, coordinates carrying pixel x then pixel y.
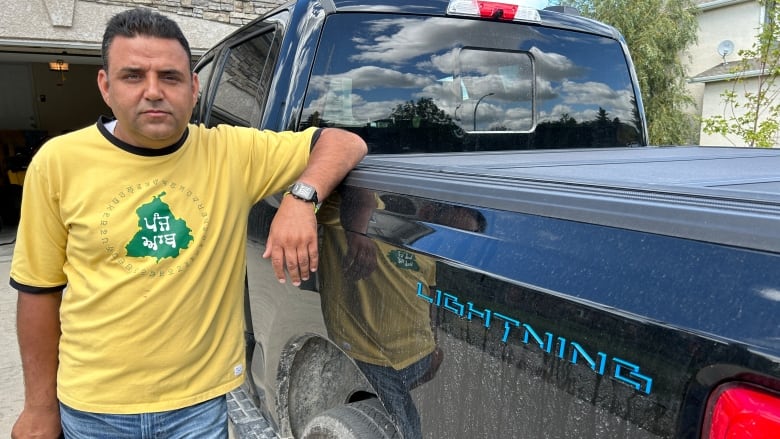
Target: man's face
{"type": "Point", "coordinates": [150, 88]}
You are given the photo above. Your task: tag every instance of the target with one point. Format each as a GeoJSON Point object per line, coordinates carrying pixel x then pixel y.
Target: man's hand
{"type": "Point", "coordinates": [361, 258]}
{"type": "Point", "coordinates": [292, 240]}
{"type": "Point", "coordinates": [38, 422]}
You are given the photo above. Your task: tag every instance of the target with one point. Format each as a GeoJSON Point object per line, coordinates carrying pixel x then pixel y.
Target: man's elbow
{"type": "Point", "coordinates": [346, 142]}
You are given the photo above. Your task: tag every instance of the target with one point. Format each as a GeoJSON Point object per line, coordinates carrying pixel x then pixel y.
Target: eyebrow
{"type": "Point", "coordinates": [159, 72]}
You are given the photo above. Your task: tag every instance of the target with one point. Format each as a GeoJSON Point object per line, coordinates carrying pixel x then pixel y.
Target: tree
{"type": "Point", "coordinates": [423, 109]}
{"type": "Point", "coordinates": [751, 108]}
{"type": "Point", "coordinates": [656, 32]}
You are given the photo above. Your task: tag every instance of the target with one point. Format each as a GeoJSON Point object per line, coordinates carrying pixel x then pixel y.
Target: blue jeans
{"type": "Point", "coordinates": [393, 387]}
{"type": "Point", "coordinates": [207, 420]}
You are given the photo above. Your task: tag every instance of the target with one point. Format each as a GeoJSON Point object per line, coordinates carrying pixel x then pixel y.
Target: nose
{"type": "Point", "coordinates": [153, 91]}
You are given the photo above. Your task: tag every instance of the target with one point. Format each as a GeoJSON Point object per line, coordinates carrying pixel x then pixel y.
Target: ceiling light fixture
{"type": "Point", "coordinates": [58, 66]}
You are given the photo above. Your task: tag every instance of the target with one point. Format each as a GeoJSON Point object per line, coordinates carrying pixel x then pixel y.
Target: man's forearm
{"type": "Point", "coordinates": [334, 155]}
{"type": "Point", "coordinates": [38, 332]}
{"type": "Point", "coordinates": [292, 239]}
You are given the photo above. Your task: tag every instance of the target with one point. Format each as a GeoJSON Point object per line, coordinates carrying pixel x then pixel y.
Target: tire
{"type": "Point", "coordinates": [359, 420]}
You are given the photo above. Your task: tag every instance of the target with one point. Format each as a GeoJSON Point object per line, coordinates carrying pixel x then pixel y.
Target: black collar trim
{"type": "Point", "coordinates": [147, 152]}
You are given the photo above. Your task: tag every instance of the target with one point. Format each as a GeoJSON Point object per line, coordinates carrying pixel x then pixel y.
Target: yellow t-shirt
{"type": "Point", "coordinates": [377, 319]}
{"type": "Point", "coordinates": [151, 246]}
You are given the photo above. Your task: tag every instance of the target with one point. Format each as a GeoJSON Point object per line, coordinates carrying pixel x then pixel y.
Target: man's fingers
{"type": "Point", "coordinates": [276, 254]}
{"type": "Point", "coordinates": [293, 267]}
{"type": "Point", "coordinates": [297, 261]}
{"type": "Point", "coordinates": [314, 257]}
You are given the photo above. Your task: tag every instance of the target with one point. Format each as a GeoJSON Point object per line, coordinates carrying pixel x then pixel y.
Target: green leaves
{"type": "Point", "coordinates": [656, 32]}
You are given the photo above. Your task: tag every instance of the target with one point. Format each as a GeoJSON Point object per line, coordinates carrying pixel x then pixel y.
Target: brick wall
{"type": "Point", "coordinates": [235, 12]}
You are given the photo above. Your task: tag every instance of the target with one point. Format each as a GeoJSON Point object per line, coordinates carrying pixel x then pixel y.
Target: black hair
{"type": "Point", "coordinates": [142, 21]}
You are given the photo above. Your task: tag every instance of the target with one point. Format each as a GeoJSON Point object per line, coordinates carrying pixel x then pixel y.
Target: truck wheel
{"type": "Point", "coordinates": [359, 420]}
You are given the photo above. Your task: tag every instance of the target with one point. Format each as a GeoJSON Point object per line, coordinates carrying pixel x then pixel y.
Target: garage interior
{"type": "Point", "coordinates": [45, 92]}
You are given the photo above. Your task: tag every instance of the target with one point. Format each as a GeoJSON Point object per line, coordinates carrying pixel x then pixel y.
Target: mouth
{"type": "Point", "coordinates": [155, 112]}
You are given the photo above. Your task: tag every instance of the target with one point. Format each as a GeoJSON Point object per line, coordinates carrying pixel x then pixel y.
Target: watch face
{"type": "Point", "coordinates": [303, 191]}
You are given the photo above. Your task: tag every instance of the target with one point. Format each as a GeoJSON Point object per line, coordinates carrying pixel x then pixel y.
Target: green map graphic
{"type": "Point", "coordinates": [403, 260]}
{"type": "Point", "coordinates": [162, 235]}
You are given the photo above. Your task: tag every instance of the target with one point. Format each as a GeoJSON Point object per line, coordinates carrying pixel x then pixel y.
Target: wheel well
{"type": "Point", "coordinates": [320, 376]}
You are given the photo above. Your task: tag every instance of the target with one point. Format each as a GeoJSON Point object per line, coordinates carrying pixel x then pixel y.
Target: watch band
{"type": "Point", "coordinates": [315, 204]}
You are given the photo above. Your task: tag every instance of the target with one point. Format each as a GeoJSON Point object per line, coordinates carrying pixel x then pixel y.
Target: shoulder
{"type": "Point", "coordinates": [65, 147]}
{"type": "Point", "coordinates": [247, 136]}
{"type": "Point", "coordinates": [72, 138]}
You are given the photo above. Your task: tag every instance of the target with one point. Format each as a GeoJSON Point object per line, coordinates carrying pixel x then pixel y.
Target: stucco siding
{"type": "Point", "coordinates": [736, 22]}
{"type": "Point", "coordinates": [719, 20]}
{"type": "Point", "coordinates": [80, 23]}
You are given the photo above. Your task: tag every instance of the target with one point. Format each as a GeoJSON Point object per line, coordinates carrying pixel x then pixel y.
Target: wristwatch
{"type": "Point", "coordinates": [303, 191]}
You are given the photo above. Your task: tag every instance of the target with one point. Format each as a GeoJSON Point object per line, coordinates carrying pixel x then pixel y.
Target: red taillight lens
{"type": "Point", "coordinates": [741, 411]}
{"type": "Point", "coordinates": [502, 11]}
{"type": "Point", "coordinates": [512, 10]}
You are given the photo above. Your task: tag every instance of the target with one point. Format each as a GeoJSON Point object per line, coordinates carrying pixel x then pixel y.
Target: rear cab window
{"type": "Point", "coordinates": [441, 84]}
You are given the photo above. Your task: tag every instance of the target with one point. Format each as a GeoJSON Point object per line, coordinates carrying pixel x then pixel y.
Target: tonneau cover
{"type": "Point", "coordinates": [723, 195]}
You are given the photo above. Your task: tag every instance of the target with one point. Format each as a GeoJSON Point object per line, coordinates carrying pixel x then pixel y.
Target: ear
{"type": "Point", "coordinates": [195, 86]}
{"type": "Point", "coordinates": [102, 82]}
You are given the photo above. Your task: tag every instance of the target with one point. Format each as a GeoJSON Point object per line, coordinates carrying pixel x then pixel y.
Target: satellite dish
{"type": "Point", "coordinates": [725, 47]}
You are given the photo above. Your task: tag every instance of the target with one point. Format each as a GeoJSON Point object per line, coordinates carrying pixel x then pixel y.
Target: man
{"type": "Point", "coordinates": [143, 218]}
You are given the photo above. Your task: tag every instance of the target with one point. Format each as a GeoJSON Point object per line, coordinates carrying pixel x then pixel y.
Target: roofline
{"type": "Point", "coordinates": [727, 76]}
{"type": "Point", "coordinates": [78, 49]}
{"type": "Point", "coordinates": [50, 44]}
{"type": "Point", "coordinates": [715, 4]}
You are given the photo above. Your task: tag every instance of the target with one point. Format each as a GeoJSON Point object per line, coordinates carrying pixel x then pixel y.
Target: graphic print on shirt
{"type": "Point", "coordinates": [161, 234]}
{"type": "Point", "coordinates": [403, 260]}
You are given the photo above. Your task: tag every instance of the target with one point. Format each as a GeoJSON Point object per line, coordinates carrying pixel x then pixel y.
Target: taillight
{"type": "Point", "coordinates": [512, 10]}
{"type": "Point", "coordinates": [742, 411]}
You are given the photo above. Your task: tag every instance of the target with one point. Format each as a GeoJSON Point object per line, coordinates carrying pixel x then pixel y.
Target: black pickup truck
{"type": "Point", "coordinates": [512, 260]}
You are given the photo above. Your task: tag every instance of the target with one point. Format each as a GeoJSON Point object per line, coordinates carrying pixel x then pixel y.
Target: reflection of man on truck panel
{"type": "Point", "coordinates": [366, 303]}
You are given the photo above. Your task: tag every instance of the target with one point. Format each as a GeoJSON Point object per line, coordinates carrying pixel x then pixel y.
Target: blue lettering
{"type": "Point", "coordinates": [624, 372]}
{"type": "Point", "coordinates": [484, 315]}
{"type": "Point", "coordinates": [578, 350]}
{"type": "Point", "coordinates": [421, 292]}
{"type": "Point", "coordinates": [451, 304]}
{"type": "Point", "coordinates": [561, 347]}
{"type": "Point", "coordinates": [507, 321]}
{"type": "Point", "coordinates": [633, 372]}
{"type": "Point", "coordinates": [545, 345]}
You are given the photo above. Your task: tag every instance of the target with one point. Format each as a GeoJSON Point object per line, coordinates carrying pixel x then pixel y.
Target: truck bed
{"type": "Point", "coordinates": [727, 196]}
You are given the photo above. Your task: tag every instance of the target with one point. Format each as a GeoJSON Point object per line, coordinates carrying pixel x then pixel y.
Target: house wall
{"type": "Point", "coordinates": [78, 24]}
{"type": "Point", "coordinates": [226, 11]}
{"type": "Point", "coordinates": [735, 20]}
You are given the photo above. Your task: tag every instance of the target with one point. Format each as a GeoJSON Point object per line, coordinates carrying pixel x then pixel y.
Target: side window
{"type": "Point", "coordinates": [204, 71]}
{"type": "Point", "coordinates": [243, 84]}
